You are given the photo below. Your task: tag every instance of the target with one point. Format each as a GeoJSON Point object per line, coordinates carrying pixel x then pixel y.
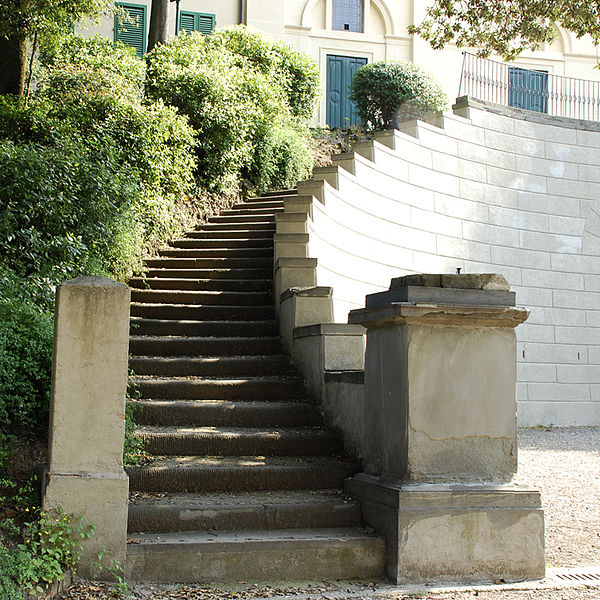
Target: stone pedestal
{"type": "Point", "coordinates": [440, 418]}
{"type": "Point", "coordinates": [87, 420]}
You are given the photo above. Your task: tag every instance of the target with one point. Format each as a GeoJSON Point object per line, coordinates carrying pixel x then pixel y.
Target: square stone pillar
{"type": "Point", "coordinates": [87, 418]}
{"type": "Point", "coordinates": [440, 418]}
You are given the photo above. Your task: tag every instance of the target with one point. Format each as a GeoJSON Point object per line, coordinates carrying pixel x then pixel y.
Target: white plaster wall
{"type": "Point", "coordinates": [488, 193]}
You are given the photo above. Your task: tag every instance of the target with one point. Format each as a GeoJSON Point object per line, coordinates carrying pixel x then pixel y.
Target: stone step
{"type": "Point", "coordinates": [240, 473]}
{"type": "Point", "coordinates": [258, 242]}
{"type": "Point", "coordinates": [266, 252]}
{"type": "Point", "coordinates": [212, 366]}
{"type": "Point", "coordinates": [275, 194]}
{"type": "Point", "coordinates": [225, 413]}
{"type": "Point", "coordinates": [223, 232]}
{"type": "Point", "coordinates": [254, 210]}
{"type": "Point", "coordinates": [256, 555]}
{"type": "Point", "coordinates": [203, 274]}
{"type": "Point", "coordinates": [261, 226]}
{"type": "Point", "coordinates": [210, 263]}
{"type": "Point", "coordinates": [167, 327]}
{"type": "Point", "coordinates": [259, 203]}
{"type": "Point", "coordinates": [291, 509]}
{"type": "Point", "coordinates": [238, 441]}
{"type": "Point", "coordinates": [243, 218]}
{"type": "Point", "coordinates": [217, 285]}
{"type": "Point", "coordinates": [187, 312]}
{"type": "Point", "coordinates": [220, 298]}
{"type": "Point", "coordinates": [203, 346]}
{"type": "Point", "coordinates": [275, 388]}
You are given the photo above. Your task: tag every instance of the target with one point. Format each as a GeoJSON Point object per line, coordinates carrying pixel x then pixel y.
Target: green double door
{"type": "Point", "coordinates": [341, 113]}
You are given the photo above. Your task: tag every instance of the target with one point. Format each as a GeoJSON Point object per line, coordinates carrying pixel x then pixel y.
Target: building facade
{"type": "Point", "coordinates": [342, 35]}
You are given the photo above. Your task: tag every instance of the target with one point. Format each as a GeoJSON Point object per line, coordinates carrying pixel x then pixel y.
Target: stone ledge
{"type": "Point", "coordinates": [353, 377]}
{"type": "Point", "coordinates": [307, 292]}
{"type": "Point", "coordinates": [337, 329]}
{"type": "Point", "coordinates": [295, 263]}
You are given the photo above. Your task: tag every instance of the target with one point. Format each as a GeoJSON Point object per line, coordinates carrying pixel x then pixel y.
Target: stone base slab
{"type": "Point", "coordinates": [102, 499]}
{"type": "Point", "coordinates": [454, 532]}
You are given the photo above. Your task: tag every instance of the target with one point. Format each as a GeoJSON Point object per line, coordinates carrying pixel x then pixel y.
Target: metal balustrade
{"type": "Point", "coordinates": [536, 90]}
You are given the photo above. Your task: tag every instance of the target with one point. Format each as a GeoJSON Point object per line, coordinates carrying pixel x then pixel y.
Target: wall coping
{"type": "Point", "coordinates": [338, 329]}
{"type": "Point", "coordinates": [526, 115]}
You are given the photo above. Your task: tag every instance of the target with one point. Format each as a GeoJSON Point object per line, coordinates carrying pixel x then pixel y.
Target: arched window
{"type": "Point", "coordinates": [348, 15]}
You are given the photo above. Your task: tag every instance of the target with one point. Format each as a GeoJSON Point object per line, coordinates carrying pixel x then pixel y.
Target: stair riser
{"type": "Point", "coordinates": [151, 519]}
{"type": "Point", "coordinates": [203, 313]}
{"type": "Point", "coordinates": [197, 244]}
{"type": "Point", "coordinates": [210, 445]}
{"type": "Point", "coordinates": [221, 368]}
{"type": "Point", "coordinates": [272, 195]}
{"type": "Point", "coordinates": [275, 204]}
{"type": "Point", "coordinates": [242, 218]}
{"type": "Point", "coordinates": [210, 263]}
{"type": "Point", "coordinates": [206, 347]}
{"type": "Point", "coordinates": [211, 273]}
{"type": "Point", "coordinates": [207, 390]}
{"type": "Point", "coordinates": [235, 479]}
{"type": "Point", "coordinates": [232, 415]}
{"type": "Point", "coordinates": [262, 226]}
{"type": "Point", "coordinates": [216, 285]}
{"type": "Point", "coordinates": [257, 561]}
{"type": "Point", "coordinates": [204, 329]}
{"type": "Point", "coordinates": [217, 298]}
{"type": "Point", "coordinates": [221, 233]}
{"type": "Point", "coordinates": [218, 252]}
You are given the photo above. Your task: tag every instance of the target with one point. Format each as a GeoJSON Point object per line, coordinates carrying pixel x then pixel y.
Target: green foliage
{"type": "Point", "coordinates": [234, 85]}
{"type": "Point", "coordinates": [388, 92]}
{"type": "Point", "coordinates": [26, 337]}
{"type": "Point", "coordinates": [503, 27]}
{"type": "Point", "coordinates": [133, 448]}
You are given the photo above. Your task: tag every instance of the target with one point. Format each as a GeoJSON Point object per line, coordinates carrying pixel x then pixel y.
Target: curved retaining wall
{"type": "Point", "coordinates": [483, 192]}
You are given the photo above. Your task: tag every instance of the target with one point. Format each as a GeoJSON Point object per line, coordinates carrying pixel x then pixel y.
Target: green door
{"type": "Point", "coordinates": [341, 113]}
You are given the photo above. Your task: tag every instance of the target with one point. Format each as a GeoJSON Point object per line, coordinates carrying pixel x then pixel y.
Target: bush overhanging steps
{"type": "Point", "coordinates": [245, 481]}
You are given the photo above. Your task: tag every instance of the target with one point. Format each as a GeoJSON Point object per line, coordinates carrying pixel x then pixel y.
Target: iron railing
{"type": "Point", "coordinates": [536, 90]}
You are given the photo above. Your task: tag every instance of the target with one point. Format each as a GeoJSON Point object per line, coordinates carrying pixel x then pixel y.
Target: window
{"type": "Point", "coordinates": [528, 89]}
{"type": "Point", "coordinates": [193, 21]}
{"type": "Point", "coordinates": [132, 29]}
{"type": "Point", "coordinates": [348, 15]}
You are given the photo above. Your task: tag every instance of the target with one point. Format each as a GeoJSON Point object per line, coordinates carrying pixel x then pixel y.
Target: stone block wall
{"type": "Point", "coordinates": [483, 190]}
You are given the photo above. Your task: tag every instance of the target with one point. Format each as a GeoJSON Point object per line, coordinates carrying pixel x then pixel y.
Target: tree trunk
{"type": "Point", "coordinates": [159, 19]}
{"type": "Point", "coordinates": [13, 64]}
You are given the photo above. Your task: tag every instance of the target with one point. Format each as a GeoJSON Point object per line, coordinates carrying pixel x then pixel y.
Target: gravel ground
{"type": "Point", "coordinates": [563, 463]}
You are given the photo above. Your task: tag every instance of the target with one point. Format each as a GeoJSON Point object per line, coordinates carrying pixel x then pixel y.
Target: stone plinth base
{"type": "Point", "coordinates": [454, 532]}
{"type": "Point", "coordinates": [102, 500]}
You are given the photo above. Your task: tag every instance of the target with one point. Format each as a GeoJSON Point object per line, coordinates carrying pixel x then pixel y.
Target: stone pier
{"type": "Point", "coordinates": [440, 428]}
{"type": "Point", "coordinates": [87, 420]}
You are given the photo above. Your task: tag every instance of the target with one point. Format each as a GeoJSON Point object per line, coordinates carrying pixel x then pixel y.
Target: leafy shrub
{"type": "Point", "coordinates": [26, 337]}
{"type": "Point", "coordinates": [385, 93]}
{"type": "Point", "coordinates": [232, 86]}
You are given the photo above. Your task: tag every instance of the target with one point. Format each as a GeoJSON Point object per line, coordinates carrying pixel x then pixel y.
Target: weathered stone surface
{"type": "Point", "coordinates": [464, 281]}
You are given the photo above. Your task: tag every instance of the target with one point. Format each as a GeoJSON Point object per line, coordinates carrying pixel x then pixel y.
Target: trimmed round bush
{"type": "Point", "coordinates": [387, 93]}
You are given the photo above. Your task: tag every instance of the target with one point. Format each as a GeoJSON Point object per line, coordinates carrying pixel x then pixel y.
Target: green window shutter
{"type": "Point", "coordinates": [193, 21]}
{"type": "Point", "coordinates": [132, 31]}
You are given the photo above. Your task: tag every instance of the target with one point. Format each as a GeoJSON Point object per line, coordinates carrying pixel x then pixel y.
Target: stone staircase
{"type": "Point", "coordinates": [245, 481]}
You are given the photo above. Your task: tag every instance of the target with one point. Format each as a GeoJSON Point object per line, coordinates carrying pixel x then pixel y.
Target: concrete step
{"type": "Point", "coordinates": [266, 252]}
{"type": "Point", "coordinates": [275, 388]}
{"type": "Point", "coordinates": [290, 509]}
{"type": "Point", "coordinates": [243, 218]}
{"type": "Point", "coordinates": [221, 298]}
{"type": "Point", "coordinates": [258, 242]}
{"type": "Point", "coordinates": [261, 226]}
{"type": "Point", "coordinates": [165, 327]}
{"type": "Point", "coordinates": [238, 441]}
{"type": "Point", "coordinates": [240, 473]}
{"type": "Point", "coordinates": [212, 366]}
{"type": "Point", "coordinates": [223, 232]}
{"type": "Point", "coordinates": [259, 203]}
{"type": "Point", "coordinates": [210, 263]}
{"type": "Point", "coordinates": [189, 312]}
{"type": "Point", "coordinates": [203, 274]}
{"type": "Point", "coordinates": [225, 413]}
{"type": "Point", "coordinates": [217, 285]}
{"type": "Point", "coordinates": [256, 555]}
{"type": "Point", "coordinates": [275, 194]}
{"type": "Point", "coordinates": [253, 210]}
{"type": "Point", "coordinates": [203, 346]}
